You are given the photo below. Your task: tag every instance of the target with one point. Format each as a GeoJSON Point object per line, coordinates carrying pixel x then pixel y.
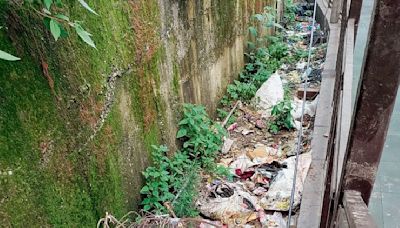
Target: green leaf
{"type": "Point", "coordinates": [59, 3]}
{"type": "Point", "coordinates": [61, 16]}
{"type": "Point", "coordinates": [55, 29]}
{"type": "Point", "coordinates": [4, 55]}
{"type": "Point", "coordinates": [253, 31]}
{"type": "Point", "coordinates": [64, 32]}
{"type": "Point", "coordinates": [251, 45]}
{"type": "Point", "coordinates": [84, 4]}
{"type": "Point", "coordinates": [85, 36]}
{"type": "Point", "coordinates": [279, 26]}
{"type": "Point", "coordinates": [146, 201]}
{"type": "Point", "coordinates": [184, 121]}
{"type": "Point", "coordinates": [144, 190]}
{"type": "Point", "coordinates": [146, 207]}
{"type": "Point", "coordinates": [259, 17]}
{"type": "Point", "coordinates": [182, 132]}
{"type": "Point", "coordinates": [48, 3]}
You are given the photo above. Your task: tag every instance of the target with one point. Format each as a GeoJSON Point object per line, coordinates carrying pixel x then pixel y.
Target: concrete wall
{"type": "Point", "coordinates": [77, 124]}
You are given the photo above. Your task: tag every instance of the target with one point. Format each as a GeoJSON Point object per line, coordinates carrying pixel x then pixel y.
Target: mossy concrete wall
{"type": "Point", "coordinates": [77, 124]}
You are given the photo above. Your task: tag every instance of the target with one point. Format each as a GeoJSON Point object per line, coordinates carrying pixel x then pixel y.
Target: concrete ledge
{"type": "Point", "coordinates": [356, 211]}
{"type": "Point", "coordinates": [314, 186]}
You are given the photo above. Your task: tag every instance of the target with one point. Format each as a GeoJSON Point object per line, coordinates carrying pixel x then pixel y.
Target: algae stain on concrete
{"type": "Point", "coordinates": [132, 159]}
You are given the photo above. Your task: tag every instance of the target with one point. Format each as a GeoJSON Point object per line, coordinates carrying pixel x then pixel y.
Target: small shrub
{"type": "Point", "coordinates": [166, 178]}
{"type": "Point", "coordinates": [281, 117]}
{"type": "Point", "coordinates": [176, 179]}
{"type": "Point", "coordinates": [290, 11]}
{"type": "Point", "coordinates": [202, 138]}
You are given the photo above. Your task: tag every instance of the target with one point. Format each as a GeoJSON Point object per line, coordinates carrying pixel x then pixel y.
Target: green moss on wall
{"type": "Point", "coordinates": [58, 167]}
{"type": "Point", "coordinates": [175, 82]}
{"type": "Point", "coordinates": [224, 13]}
{"type": "Point", "coordinates": [59, 176]}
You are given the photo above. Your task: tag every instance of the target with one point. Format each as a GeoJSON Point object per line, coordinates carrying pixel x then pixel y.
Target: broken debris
{"type": "Point", "coordinates": [278, 196]}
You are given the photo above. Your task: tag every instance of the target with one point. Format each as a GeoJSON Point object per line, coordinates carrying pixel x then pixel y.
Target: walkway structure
{"type": "Point", "coordinates": [354, 112]}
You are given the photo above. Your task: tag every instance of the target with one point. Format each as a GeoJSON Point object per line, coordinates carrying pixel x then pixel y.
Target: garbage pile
{"type": "Point", "coordinates": [262, 163]}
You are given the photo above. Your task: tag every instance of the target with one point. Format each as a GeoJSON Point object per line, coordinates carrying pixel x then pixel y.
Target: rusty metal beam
{"type": "Point", "coordinates": [375, 100]}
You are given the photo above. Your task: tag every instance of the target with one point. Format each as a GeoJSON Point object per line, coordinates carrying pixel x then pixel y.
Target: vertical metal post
{"type": "Point", "coordinates": [375, 100]}
{"type": "Point", "coordinates": [354, 12]}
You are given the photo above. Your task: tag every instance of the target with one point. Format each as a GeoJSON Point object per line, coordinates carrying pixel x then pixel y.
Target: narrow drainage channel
{"type": "Point", "coordinates": [260, 147]}
{"type": "Point", "coordinates": [249, 183]}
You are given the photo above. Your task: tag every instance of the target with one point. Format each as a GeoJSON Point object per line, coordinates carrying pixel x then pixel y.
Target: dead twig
{"type": "Point", "coordinates": [169, 208]}
{"type": "Point", "coordinates": [230, 113]}
{"type": "Point", "coordinates": [151, 220]}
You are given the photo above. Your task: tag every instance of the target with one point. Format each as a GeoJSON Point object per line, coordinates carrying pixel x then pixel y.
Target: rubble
{"type": "Point", "coordinates": [236, 208]}
{"type": "Point", "coordinates": [278, 196]}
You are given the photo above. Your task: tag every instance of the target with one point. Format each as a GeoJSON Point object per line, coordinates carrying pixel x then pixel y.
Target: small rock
{"type": "Point", "coordinates": [301, 65]}
{"type": "Point", "coordinates": [260, 124]}
{"type": "Point", "coordinates": [259, 152]}
{"type": "Point", "coordinates": [259, 145]}
{"type": "Point", "coordinates": [227, 145]}
{"type": "Point", "coordinates": [226, 161]}
{"type": "Point", "coordinates": [250, 185]}
{"type": "Point", "coordinates": [246, 132]}
{"type": "Point", "coordinates": [232, 127]}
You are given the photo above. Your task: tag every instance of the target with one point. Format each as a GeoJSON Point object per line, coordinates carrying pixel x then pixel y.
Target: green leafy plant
{"type": "Point", "coordinates": [265, 56]}
{"type": "Point", "coordinates": [6, 56]}
{"type": "Point", "coordinates": [301, 54]}
{"type": "Point", "coordinates": [278, 50]}
{"type": "Point", "coordinates": [158, 181]}
{"type": "Point", "coordinates": [184, 205]}
{"type": "Point", "coordinates": [281, 116]}
{"type": "Point", "coordinates": [55, 20]}
{"type": "Point", "coordinates": [164, 179]}
{"type": "Point", "coordinates": [222, 171]}
{"type": "Point", "coordinates": [202, 138]}
{"type": "Point", "coordinates": [176, 179]}
{"type": "Point", "coordinates": [289, 13]}
{"type": "Point", "coordinates": [267, 19]}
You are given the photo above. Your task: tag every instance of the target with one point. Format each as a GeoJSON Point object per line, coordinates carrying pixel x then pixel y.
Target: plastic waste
{"type": "Point", "coordinates": [241, 163]}
{"type": "Point", "coordinates": [275, 220]}
{"type": "Point", "coordinates": [235, 210]}
{"type": "Point", "coordinates": [269, 94]}
{"type": "Point", "coordinates": [309, 109]}
{"type": "Point", "coordinates": [263, 154]}
{"type": "Point", "coordinates": [278, 196]}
